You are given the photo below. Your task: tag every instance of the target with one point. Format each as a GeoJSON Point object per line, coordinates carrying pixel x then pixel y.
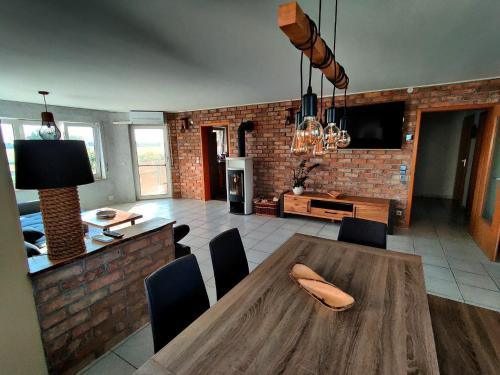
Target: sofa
{"type": "Point", "coordinates": [30, 218]}
{"type": "Point", "coordinates": [31, 221]}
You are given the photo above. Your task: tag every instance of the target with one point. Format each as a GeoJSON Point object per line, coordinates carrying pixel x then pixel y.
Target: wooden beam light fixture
{"type": "Point", "coordinates": [302, 31]}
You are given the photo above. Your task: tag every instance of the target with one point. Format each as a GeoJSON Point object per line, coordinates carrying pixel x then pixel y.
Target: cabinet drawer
{"type": "Point", "coordinates": [330, 214]}
{"type": "Point", "coordinates": [375, 213]}
{"type": "Point", "coordinates": [295, 204]}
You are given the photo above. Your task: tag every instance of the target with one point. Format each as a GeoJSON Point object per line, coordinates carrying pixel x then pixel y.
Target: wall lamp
{"type": "Point", "coordinates": [187, 123]}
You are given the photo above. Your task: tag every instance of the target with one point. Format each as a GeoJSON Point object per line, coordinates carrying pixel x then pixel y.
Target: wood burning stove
{"type": "Point", "coordinates": [239, 177]}
{"type": "Point", "coordinates": [236, 179]}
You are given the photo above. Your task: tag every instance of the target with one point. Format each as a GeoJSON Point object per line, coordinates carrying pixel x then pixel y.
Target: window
{"type": "Point", "coordinates": [28, 129]}
{"type": "Point", "coordinates": [221, 137]}
{"type": "Point", "coordinates": [90, 134]}
{"type": "Point", "coordinates": [8, 139]}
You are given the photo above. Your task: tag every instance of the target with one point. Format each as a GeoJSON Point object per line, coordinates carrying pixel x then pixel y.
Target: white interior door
{"type": "Point", "coordinates": [152, 164]}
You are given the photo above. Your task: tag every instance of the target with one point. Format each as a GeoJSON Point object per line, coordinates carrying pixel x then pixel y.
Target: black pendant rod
{"type": "Point", "coordinates": [334, 47]}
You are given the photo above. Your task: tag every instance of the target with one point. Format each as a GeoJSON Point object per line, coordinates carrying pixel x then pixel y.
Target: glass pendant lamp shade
{"type": "Point", "coordinates": [49, 130]}
{"type": "Point", "coordinates": [298, 142]}
{"type": "Point", "coordinates": [344, 139]}
{"type": "Point", "coordinates": [319, 149]}
{"type": "Point", "coordinates": [299, 146]}
{"type": "Point", "coordinates": [313, 130]}
{"type": "Point", "coordinates": [331, 131]}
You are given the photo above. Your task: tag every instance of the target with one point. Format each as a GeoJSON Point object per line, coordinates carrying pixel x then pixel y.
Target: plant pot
{"type": "Point", "coordinates": [298, 190]}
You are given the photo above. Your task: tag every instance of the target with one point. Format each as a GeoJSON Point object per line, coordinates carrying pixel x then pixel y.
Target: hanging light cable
{"type": "Point", "coordinates": [319, 148]}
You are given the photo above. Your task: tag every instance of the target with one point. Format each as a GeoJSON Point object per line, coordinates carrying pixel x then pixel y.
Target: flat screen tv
{"type": "Point", "coordinates": [376, 126]}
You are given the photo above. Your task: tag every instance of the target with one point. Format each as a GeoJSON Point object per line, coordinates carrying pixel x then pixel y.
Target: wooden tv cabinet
{"type": "Point", "coordinates": [324, 206]}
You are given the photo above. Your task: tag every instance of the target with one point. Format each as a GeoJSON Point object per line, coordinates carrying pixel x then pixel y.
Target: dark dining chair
{"type": "Point", "coordinates": [363, 232]}
{"type": "Point", "coordinates": [176, 296]}
{"type": "Point", "coordinates": [228, 260]}
{"type": "Point", "coordinates": [181, 231]}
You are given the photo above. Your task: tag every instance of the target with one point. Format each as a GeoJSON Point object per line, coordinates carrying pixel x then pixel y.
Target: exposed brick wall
{"type": "Point", "coordinates": [88, 306]}
{"type": "Point", "coordinates": [372, 173]}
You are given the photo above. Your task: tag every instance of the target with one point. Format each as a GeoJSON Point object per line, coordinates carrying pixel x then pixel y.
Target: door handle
{"type": "Point", "coordinates": [465, 162]}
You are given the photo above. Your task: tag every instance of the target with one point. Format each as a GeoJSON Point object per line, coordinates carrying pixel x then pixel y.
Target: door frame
{"type": "Point", "coordinates": [441, 108]}
{"type": "Point", "coordinates": [207, 192]}
{"type": "Point", "coordinates": [479, 228]}
{"type": "Point", "coordinates": [135, 163]}
{"type": "Point", "coordinates": [461, 168]}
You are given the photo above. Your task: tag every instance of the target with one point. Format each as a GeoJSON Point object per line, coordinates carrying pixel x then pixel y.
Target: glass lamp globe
{"type": "Point", "coordinates": [331, 136]}
{"type": "Point", "coordinates": [319, 149]}
{"type": "Point", "coordinates": [299, 146]}
{"type": "Point", "coordinates": [344, 139]}
{"type": "Point", "coordinates": [313, 131]}
{"type": "Point", "coordinates": [49, 130]}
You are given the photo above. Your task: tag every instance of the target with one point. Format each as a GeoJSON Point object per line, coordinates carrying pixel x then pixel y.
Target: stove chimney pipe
{"type": "Point", "coordinates": [245, 126]}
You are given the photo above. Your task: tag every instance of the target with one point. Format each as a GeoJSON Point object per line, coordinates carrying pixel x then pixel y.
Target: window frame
{"type": "Point", "coordinates": [18, 129]}
{"type": "Point", "coordinates": [96, 131]}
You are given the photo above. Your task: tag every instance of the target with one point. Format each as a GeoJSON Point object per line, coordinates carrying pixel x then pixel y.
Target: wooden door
{"type": "Point", "coordinates": [485, 215]}
{"type": "Point", "coordinates": [463, 156]}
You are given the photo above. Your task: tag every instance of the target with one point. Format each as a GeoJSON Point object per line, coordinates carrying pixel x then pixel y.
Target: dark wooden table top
{"type": "Point", "coordinates": [467, 337]}
{"type": "Point", "coordinates": [268, 325]}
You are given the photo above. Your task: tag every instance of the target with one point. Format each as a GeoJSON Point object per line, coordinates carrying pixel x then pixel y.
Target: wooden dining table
{"type": "Point", "coordinates": [269, 325]}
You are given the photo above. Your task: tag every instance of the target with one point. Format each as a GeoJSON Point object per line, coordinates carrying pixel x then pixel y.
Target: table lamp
{"type": "Point", "coordinates": [55, 168]}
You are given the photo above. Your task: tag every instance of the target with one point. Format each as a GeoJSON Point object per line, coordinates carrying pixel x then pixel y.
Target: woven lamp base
{"type": "Point", "coordinates": [62, 222]}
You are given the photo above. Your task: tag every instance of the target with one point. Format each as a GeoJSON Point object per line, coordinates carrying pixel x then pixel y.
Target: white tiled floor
{"type": "Point", "coordinates": [454, 267]}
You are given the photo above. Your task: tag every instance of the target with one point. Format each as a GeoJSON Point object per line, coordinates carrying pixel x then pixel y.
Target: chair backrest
{"type": "Point", "coordinates": [363, 232]}
{"type": "Point", "coordinates": [176, 297]}
{"type": "Point", "coordinates": [229, 260]}
{"type": "Point", "coordinates": [180, 231]}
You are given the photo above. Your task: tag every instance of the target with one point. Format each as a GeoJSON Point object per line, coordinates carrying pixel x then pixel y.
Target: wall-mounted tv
{"type": "Point", "coordinates": [376, 126]}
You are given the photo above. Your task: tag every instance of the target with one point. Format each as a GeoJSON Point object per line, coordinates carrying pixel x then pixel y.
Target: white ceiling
{"type": "Point", "coordinates": [192, 54]}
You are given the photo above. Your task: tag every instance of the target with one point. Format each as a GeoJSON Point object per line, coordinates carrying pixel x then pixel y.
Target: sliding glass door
{"type": "Point", "coordinates": [151, 153]}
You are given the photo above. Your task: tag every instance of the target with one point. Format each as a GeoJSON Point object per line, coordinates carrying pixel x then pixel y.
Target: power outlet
{"type": "Point", "coordinates": [399, 212]}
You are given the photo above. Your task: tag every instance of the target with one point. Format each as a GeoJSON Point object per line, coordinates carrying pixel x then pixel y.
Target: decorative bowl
{"type": "Point", "coordinates": [105, 214]}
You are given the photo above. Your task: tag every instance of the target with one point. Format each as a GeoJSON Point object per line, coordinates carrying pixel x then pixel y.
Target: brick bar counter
{"type": "Point", "coordinates": [89, 303]}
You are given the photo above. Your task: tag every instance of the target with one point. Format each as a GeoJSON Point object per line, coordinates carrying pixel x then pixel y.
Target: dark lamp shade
{"type": "Point", "coordinates": [51, 164]}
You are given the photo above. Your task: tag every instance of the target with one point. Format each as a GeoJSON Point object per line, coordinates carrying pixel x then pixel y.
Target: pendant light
{"type": "Point", "coordinates": [49, 130]}
{"type": "Point", "coordinates": [309, 135]}
{"type": "Point", "coordinates": [331, 132]}
{"type": "Point", "coordinates": [344, 137]}
{"type": "Point", "coordinates": [313, 130]}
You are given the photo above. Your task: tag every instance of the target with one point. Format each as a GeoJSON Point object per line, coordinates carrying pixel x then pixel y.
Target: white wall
{"type": "Point", "coordinates": [21, 349]}
{"type": "Point", "coordinates": [116, 146]}
{"type": "Point", "coordinates": [438, 147]}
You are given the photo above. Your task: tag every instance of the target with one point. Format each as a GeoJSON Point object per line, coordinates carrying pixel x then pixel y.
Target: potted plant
{"type": "Point", "coordinates": [300, 175]}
